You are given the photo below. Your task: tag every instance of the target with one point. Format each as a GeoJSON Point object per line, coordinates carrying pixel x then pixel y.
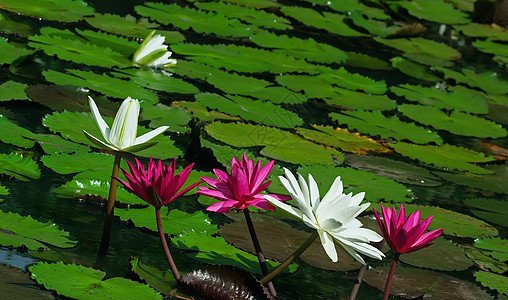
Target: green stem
{"type": "Point", "coordinates": [290, 259]}
{"type": "Point", "coordinates": [110, 207]}
{"type": "Point", "coordinates": [162, 237]}
{"type": "Point", "coordinates": [259, 253]}
{"type": "Point", "coordinates": [361, 272]}
{"type": "Point", "coordinates": [390, 276]}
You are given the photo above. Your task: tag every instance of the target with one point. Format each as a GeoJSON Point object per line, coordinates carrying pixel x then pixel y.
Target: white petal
{"type": "Point", "coordinates": [353, 253]}
{"type": "Point", "coordinates": [98, 142]}
{"type": "Point", "coordinates": [125, 126]}
{"type": "Point", "coordinates": [364, 249]}
{"type": "Point", "coordinates": [314, 193]}
{"type": "Point", "coordinates": [150, 135]}
{"type": "Point", "coordinates": [328, 245]}
{"type": "Point", "coordinates": [357, 199]}
{"type": "Point", "coordinates": [293, 184]}
{"type": "Point", "coordinates": [305, 191]}
{"type": "Point", "coordinates": [334, 191]}
{"type": "Point", "coordinates": [290, 209]}
{"type": "Point", "coordinates": [103, 127]}
{"type": "Point", "coordinates": [139, 147]}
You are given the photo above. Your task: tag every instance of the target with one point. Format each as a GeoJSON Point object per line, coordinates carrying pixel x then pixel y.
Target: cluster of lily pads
{"type": "Point", "coordinates": [298, 83]}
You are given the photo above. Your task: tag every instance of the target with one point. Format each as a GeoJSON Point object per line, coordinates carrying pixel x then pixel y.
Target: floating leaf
{"type": "Point", "coordinates": [187, 17]}
{"type": "Point", "coordinates": [77, 50]}
{"type": "Point", "coordinates": [331, 22]}
{"type": "Point", "coordinates": [376, 188]}
{"type": "Point", "coordinates": [215, 250]}
{"type": "Point", "coordinates": [14, 134]}
{"type": "Point", "coordinates": [9, 53]}
{"type": "Point", "coordinates": [70, 125]}
{"type": "Point", "coordinates": [250, 86]}
{"type": "Point", "coordinates": [200, 112]}
{"type": "Point", "coordinates": [443, 255]}
{"type": "Point", "coordinates": [3, 191]}
{"type": "Point", "coordinates": [492, 210]}
{"type": "Point", "coordinates": [110, 86]}
{"type": "Point", "coordinates": [86, 283]}
{"type": "Point", "coordinates": [495, 182]}
{"type": "Point", "coordinates": [414, 283]}
{"type": "Point", "coordinates": [74, 163]}
{"type": "Point", "coordinates": [488, 81]}
{"type": "Point", "coordinates": [254, 3]}
{"type": "Point", "coordinates": [422, 46]}
{"type": "Point", "coordinates": [12, 90]}
{"type": "Point", "coordinates": [486, 262]}
{"type": "Point", "coordinates": [343, 139]}
{"type": "Point", "coordinates": [129, 26]}
{"type": "Point", "coordinates": [10, 27]}
{"type": "Point", "coordinates": [375, 123]}
{"type": "Point", "coordinates": [457, 122]}
{"type": "Point", "coordinates": [52, 144]}
{"type": "Point", "coordinates": [393, 169]}
{"type": "Point", "coordinates": [159, 81]}
{"type": "Point", "coordinates": [119, 44]}
{"type": "Point", "coordinates": [445, 156]}
{"type": "Point", "coordinates": [373, 27]}
{"type": "Point", "coordinates": [500, 51]}
{"type": "Point", "coordinates": [192, 69]}
{"type": "Point", "coordinates": [18, 166]}
{"type": "Point", "coordinates": [163, 282]}
{"type": "Point", "coordinates": [413, 69]}
{"type": "Point", "coordinates": [348, 6]}
{"type": "Point", "coordinates": [303, 152]}
{"type": "Point", "coordinates": [360, 60]}
{"type": "Point", "coordinates": [174, 223]}
{"type": "Point", "coordinates": [251, 110]}
{"type": "Point", "coordinates": [17, 231]}
{"type": "Point", "coordinates": [435, 11]}
{"type": "Point", "coordinates": [161, 115]}
{"type": "Point", "coordinates": [496, 247]}
{"type": "Point", "coordinates": [62, 11]}
{"type": "Point", "coordinates": [253, 16]}
{"type": "Point", "coordinates": [492, 281]}
{"type": "Point", "coordinates": [482, 30]}
{"type": "Point", "coordinates": [353, 81]}
{"type": "Point", "coordinates": [458, 97]}
{"type": "Point", "coordinates": [307, 49]}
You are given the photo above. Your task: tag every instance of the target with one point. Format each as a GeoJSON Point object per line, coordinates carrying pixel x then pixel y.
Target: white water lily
{"type": "Point", "coordinates": [153, 52]}
{"type": "Point", "coordinates": [334, 216]}
{"type": "Point", "coordinates": [122, 135]}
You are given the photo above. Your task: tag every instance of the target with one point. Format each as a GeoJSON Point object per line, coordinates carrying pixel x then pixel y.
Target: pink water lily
{"type": "Point", "coordinates": [405, 235]}
{"type": "Point", "coordinates": [160, 184]}
{"type": "Point", "coordinates": [242, 188]}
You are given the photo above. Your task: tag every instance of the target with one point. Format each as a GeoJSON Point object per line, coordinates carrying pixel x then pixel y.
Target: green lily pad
{"type": "Point", "coordinates": [427, 60]}
{"type": "Point", "coordinates": [279, 240]}
{"type": "Point", "coordinates": [307, 49]}
{"type": "Point", "coordinates": [365, 61]}
{"type": "Point", "coordinates": [331, 22]}
{"type": "Point", "coordinates": [375, 123]}
{"type": "Point", "coordinates": [393, 169]}
{"type": "Point", "coordinates": [303, 152]}
{"type": "Point", "coordinates": [493, 211]}
{"type": "Point", "coordinates": [62, 11]}
{"type": "Point", "coordinates": [9, 53]}
{"type": "Point", "coordinates": [158, 81]}
{"type": "Point", "coordinates": [348, 6]}
{"type": "Point", "coordinates": [200, 112]}
{"type": "Point", "coordinates": [110, 86]}
{"type": "Point", "coordinates": [495, 182]}
{"type": "Point", "coordinates": [243, 59]}
{"type": "Point", "coordinates": [465, 5]}
{"type": "Point", "coordinates": [353, 81]}
{"type": "Point", "coordinates": [488, 81]}
{"type": "Point", "coordinates": [482, 30]}
{"type": "Point", "coordinates": [186, 18]}
{"type": "Point", "coordinates": [253, 3]}
{"type": "Point", "coordinates": [74, 163]}
{"type": "Point", "coordinates": [459, 98]}
{"type": "Point", "coordinates": [10, 27]}
{"type": "Point", "coordinates": [343, 139]}
{"type": "Point", "coordinates": [500, 51]}
{"type": "Point", "coordinates": [15, 135]}
{"type": "Point", "coordinates": [445, 156]}
{"type": "Point", "coordinates": [247, 135]}
{"type": "Point", "coordinates": [492, 281]}
{"type": "Point", "coordinates": [18, 231]}
{"type": "Point", "coordinates": [77, 50]}
{"type": "Point", "coordinates": [251, 110]}
{"type": "Point", "coordinates": [130, 26]}
{"type": "Point", "coordinates": [423, 46]}
{"type": "Point", "coordinates": [12, 90]}
{"type": "Point", "coordinates": [119, 44]}
{"type": "Point", "coordinates": [163, 282]}
{"type": "Point", "coordinates": [164, 149]}
{"type": "Point", "coordinates": [414, 283]}
{"type": "Point", "coordinates": [253, 16]}
{"type": "Point", "coordinates": [434, 11]}
{"type": "Point", "coordinates": [86, 283]}
{"type": "Point", "coordinates": [161, 115]}
{"type": "Point", "coordinates": [496, 247]}
{"type": "Point", "coordinates": [215, 250]}
{"type": "Point", "coordinates": [52, 144]}
{"type": "Point", "coordinates": [373, 27]}
{"type": "Point", "coordinates": [18, 166]}
{"type": "Point", "coordinates": [174, 223]}
{"type": "Point", "coordinates": [457, 122]}
{"type": "Point", "coordinates": [191, 69]}
{"type": "Point", "coordinates": [250, 86]}
{"type": "Point", "coordinates": [443, 255]}
{"type": "Point", "coordinates": [15, 283]}
{"type": "Point", "coordinates": [486, 262]}
{"type": "Point", "coordinates": [3, 191]}
{"type": "Point", "coordinates": [376, 188]}
{"type": "Point", "coordinates": [413, 69]}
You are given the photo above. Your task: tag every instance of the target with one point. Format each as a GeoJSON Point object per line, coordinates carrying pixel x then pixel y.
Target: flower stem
{"type": "Point", "coordinates": [390, 276]}
{"type": "Point", "coordinates": [361, 272]}
{"type": "Point", "coordinates": [110, 207]}
{"type": "Point", "coordinates": [290, 259]}
{"type": "Point", "coordinates": [162, 237]}
{"type": "Point", "coordinates": [259, 253]}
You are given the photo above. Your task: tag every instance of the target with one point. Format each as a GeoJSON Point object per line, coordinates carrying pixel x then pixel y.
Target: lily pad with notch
{"type": "Point", "coordinates": [62, 11]}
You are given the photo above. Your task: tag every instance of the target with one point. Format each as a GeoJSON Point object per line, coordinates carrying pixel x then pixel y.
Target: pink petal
{"type": "Point", "coordinates": [220, 207]}
{"type": "Point", "coordinates": [428, 237]}
{"type": "Point", "coordinates": [262, 175]}
{"type": "Point", "coordinates": [212, 193]}
{"type": "Point", "coordinates": [221, 175]}
{"type": "Point", "coordinates": [261, 203]}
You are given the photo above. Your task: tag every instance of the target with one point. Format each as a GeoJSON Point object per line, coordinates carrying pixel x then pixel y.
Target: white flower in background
{"type": "Point", "coordinates": [153, 52]}
{"type": "Point", "coordinates": [122, 135]}
{"type": "Point", "coordinates": [334, 216]}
